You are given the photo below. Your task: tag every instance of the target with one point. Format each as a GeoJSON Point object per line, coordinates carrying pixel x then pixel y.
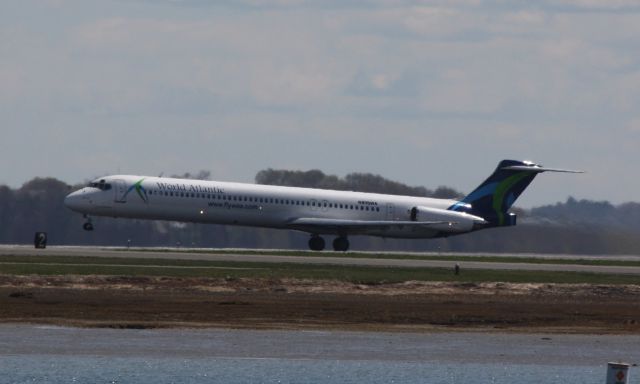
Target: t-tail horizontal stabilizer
{"type": "Point", "coordinates": [538, 168]}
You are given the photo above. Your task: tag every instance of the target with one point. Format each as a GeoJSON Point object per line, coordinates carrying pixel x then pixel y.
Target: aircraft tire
{"type": "Point", "coordinates": [341, 244]}
{"type": "Point", "coordinates": [87, 227]}
{"type": "Point", "coordinates": [316, 243]}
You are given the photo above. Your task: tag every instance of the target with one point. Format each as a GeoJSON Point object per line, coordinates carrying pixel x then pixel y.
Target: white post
{"type": "Point", "coordinates": [617, 373]}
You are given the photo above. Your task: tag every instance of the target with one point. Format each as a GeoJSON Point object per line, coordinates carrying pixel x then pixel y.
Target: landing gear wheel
{"type": "Point", "coordinates": [87, 227]}
{"type": "Point", "coordinates": [341, 244]}
{"type": "Point", "coordinates": [316, 243]}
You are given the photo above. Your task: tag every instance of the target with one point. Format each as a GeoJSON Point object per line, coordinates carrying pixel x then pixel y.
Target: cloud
{"type": "Point", "coordinates": [595, 5]}
{"type": "Point", "coordinates": [388, 86]}
{"type": "Point", "coordinates": [633, 126]}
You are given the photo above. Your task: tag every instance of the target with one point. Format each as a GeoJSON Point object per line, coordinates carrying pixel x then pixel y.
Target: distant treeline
{"type": "Point", "coordinates": [575, 226]}
{"type": "Point", "coordinates": [362, 182]}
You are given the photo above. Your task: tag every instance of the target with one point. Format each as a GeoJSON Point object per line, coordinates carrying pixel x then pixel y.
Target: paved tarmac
{"type": "Point", "coordinates": [331, 258]}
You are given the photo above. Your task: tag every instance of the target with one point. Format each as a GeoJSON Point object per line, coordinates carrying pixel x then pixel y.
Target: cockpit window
{"type": "Point", "coordinates": [102, 185]}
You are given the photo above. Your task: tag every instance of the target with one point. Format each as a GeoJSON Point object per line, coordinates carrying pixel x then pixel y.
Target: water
{"type": "Point", "coordinates": [55, 369]}
{"type": "Point", "coordinates": [32, 354]}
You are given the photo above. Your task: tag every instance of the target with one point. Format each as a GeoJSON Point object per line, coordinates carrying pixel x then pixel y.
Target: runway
{"type": "Point", "coordinates": [328, 258]}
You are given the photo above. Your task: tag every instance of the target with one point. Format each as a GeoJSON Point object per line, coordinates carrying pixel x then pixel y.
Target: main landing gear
{"type": "Point", "coordinates": [88, 226]}
{"type": "Point", "coordinates": [340, 244]}
{"type": "Point", "coordinates": [316, 243]}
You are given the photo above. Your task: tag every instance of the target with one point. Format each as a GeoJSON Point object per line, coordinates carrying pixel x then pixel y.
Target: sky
{"type": "Point", "coordinates": [423, 92]}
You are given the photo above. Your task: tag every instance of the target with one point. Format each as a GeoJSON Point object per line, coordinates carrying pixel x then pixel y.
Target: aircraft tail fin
{"type": "Point", "coordinates": [493, 198]}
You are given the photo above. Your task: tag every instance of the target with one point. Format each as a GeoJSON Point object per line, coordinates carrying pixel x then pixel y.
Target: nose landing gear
{"type": "Point", "coordinates": [88, 226]}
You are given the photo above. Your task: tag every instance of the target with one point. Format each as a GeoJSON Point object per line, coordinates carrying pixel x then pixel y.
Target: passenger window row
{"type": "Point", "coordinates": [265, 200]}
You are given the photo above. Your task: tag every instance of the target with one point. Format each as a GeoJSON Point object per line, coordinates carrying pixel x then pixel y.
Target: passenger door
{"type": "Point", "coordinates": [121, 191]}
{"type": "Point", "coordinates": [391, 212]}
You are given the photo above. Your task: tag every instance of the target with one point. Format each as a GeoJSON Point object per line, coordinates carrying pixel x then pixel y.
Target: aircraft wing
{"type": "Point", "coordinates": [318, 225]}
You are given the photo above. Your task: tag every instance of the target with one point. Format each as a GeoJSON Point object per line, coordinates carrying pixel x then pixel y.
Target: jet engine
{"type": "Point", "coordinates": [452, 221]}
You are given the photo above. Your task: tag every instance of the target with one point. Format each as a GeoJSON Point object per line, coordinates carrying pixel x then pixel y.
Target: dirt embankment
{"type": "Point", "coordinates": [144, 302]}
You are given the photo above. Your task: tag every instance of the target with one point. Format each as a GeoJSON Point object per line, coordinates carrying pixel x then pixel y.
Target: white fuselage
{"type": "Point", "coordinates": [258, 205]}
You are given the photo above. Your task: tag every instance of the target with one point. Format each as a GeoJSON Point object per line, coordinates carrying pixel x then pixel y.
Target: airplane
{"type": "Point", "coordinates": [315, 211]}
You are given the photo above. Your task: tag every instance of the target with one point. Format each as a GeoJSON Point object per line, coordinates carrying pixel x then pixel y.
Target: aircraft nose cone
{"type": "Point", "coordinates": [73, 200]}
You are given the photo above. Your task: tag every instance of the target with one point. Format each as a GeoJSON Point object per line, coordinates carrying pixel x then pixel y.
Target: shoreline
{"type": "Point", "coordinates": [121, 302]}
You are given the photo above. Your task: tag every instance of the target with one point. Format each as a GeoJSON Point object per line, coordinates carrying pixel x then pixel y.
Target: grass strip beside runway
{"type": "Point", "coordinates": [121, 266]}
{"type": "Point", "coordinates": [402, 256]}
